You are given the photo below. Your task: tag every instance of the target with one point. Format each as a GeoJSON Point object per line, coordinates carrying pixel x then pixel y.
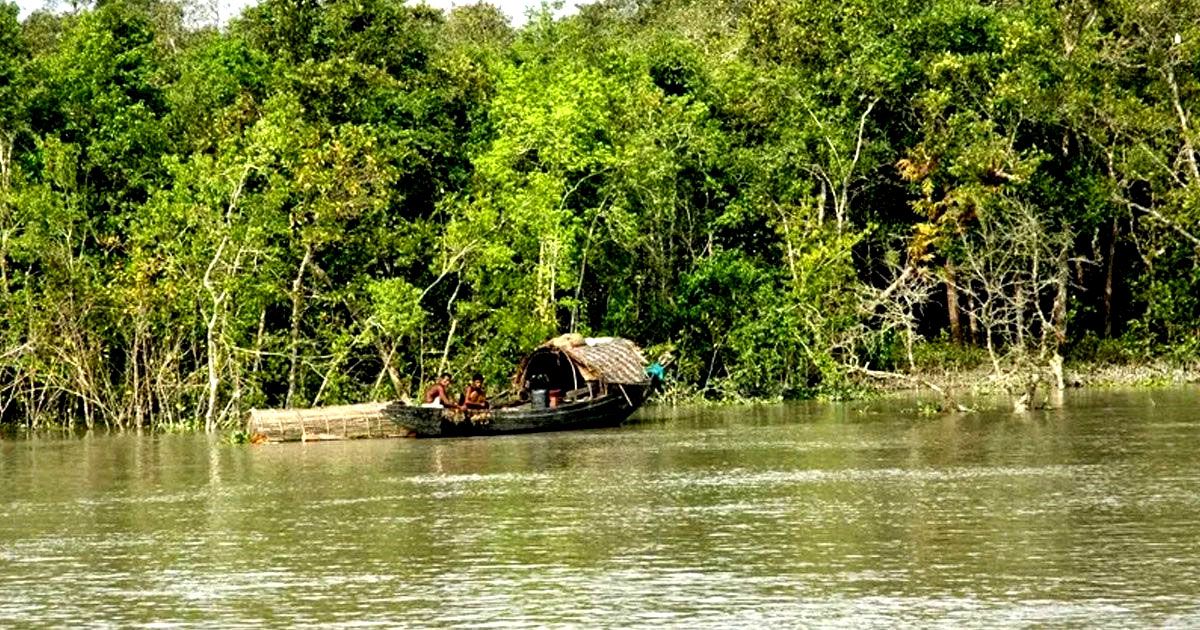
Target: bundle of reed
{"type": "Point", "coordinates": [366, 420]}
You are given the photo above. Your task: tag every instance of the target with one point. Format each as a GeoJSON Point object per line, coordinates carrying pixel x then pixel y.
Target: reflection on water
{"type": "Point", "coordinates": [864, 514]}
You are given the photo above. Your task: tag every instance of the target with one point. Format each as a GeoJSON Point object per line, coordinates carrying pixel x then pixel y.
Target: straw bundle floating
{"type": "Point", "coordinates": [366, 420]}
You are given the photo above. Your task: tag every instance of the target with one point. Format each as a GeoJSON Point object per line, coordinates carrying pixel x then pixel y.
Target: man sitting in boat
{"type": "Point", "coordinates": [438, 394]}
{"type": "Point", "coordinates": [475, 397]}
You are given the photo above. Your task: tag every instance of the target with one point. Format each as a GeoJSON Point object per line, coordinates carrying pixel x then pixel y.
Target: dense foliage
{"type": "Point", "coordinates": [329, 200]}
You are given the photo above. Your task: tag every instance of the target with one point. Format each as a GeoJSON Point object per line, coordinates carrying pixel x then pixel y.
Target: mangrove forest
{"type": "Point", "coordinates": [324, 201]}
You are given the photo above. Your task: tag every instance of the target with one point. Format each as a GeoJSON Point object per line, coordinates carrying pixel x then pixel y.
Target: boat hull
{"type": "Point", "coordinates": [606, 411]}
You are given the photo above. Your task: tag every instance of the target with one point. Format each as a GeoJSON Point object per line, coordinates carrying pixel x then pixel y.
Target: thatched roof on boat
{"type": "Point", "coordinates": [610, 360]}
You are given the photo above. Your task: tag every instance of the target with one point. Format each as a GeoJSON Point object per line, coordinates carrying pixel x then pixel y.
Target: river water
{"type": "Point", "coordinates": [864, 514]}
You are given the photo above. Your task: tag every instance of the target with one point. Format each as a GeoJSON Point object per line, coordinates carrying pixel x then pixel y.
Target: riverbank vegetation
{"type": "Point", "coordinates": [330, 201]}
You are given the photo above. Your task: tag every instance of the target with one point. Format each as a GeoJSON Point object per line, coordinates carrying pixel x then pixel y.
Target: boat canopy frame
{"type": "Point", "coordinates": [570, 362]}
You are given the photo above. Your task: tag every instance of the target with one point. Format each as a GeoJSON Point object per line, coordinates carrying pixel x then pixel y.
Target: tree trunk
{"type": "Point", "coordinates": [446, 349]}
{"type": "Point", "coordinates": [256, 364]}
{"type": "Point", "coordinates": [334, 364]}
{"type": "Point", "coordinates": [1019, 300]}
{"type": "Point", "coordinates": [991, 348]}
{"type": "Point", "coordinates": [454, 320]}
{"type": "Point", "coordinates": [952, 310]}
{"type": "Point", "coordinates": [7, 142]}
{"type": "Point", "coordinates": [1059, 314]}
{"type": "Point", "coordinates": [972, 320]}
{"type": "Point", "coordinates": [136, 354]}
{"type": "Point", "coordinates": [908, 346]}
{"type": "Point", "coordinates": [1108, 278]}
{"type": "Point", "coordinates": [6, 148]}
{"type": "Point", "coordinates": [294, 342]}
{"type": "Point", "coordinates": [821, 205]}
{"type": "Point", "coordinates": [385, 357]}
{"type": "Point", "coordinates": [210, 338]}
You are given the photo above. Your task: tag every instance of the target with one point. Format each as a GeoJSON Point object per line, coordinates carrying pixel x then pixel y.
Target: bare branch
{"type": "Point", "coordinates": [1162, 219]}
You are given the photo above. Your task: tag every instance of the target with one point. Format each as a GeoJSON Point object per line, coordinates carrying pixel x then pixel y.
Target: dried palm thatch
{"type": "Point", "coordinates": [608, 360]}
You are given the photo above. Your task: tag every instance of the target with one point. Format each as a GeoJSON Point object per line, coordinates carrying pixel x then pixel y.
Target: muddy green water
{"type": "Point", "coordinates": [859, 514]}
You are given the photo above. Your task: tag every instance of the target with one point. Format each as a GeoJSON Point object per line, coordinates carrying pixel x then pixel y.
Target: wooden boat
{"type": "Point", "coordinates": [570, 382]}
